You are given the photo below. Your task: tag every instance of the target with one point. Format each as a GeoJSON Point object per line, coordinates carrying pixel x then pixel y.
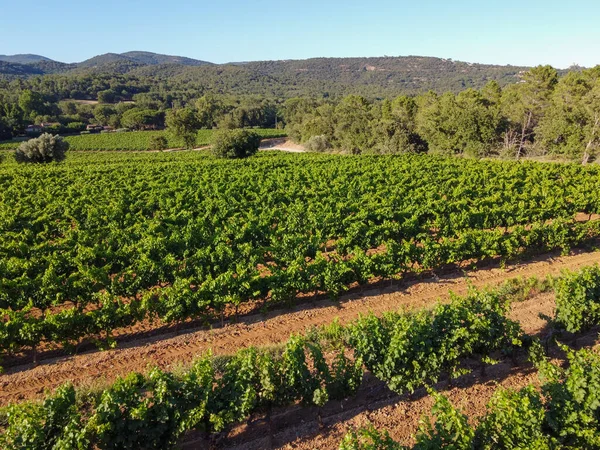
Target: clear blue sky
{"type": "Point", "coordinates": [518, 32]}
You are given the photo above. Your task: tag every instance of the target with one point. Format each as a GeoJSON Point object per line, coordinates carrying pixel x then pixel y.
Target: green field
{"type": "Point", "coordinates": [136, 140]}
{"type": "Point", "coordinates": [185, 219]}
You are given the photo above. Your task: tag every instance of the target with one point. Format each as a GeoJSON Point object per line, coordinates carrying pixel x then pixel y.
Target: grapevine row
{"type": "Point", "coordinates": [578, 299]}
{"type": "Point", "coordinates": [154, 411]}
{"type": "Point", "coordinates": [565, 414]}
{"type": "Point", "coordinates": [101, 243]}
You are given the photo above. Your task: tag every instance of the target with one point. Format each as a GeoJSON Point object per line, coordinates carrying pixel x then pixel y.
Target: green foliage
{"type": "Point", "coordinates": [578, 299]}
{"type": "Point", "coordinates": [153, 411]}
{"type": "Point", "coordinates": [138, 119]}
{"type": "Point", "coordinates": [515, 421]}
{"type": "Point", "coordinates": [184, 124]}
{"type": "Point", "coordinates": [44, 149]}
{"type": "Point", "coordinates": [234, 143]}
{"type": "Point", "coordinates": [158, 143]}
{"type": "Point", "coordinates": [51, 425]}
{"type": "Point", "coordinates": [369, 438]}
{"type": "Point", "coordinates": [184, 235]}
{"type": "Point", "coordinates": [516, 113]}
{"type": "Point", "coordinates": [451, 429]}
{"type": "Point", "coordinates": [566, 414]}
{"type": "Point", "coordinates": [573, 414]}
{"type": "Point", "coordinates": [410, 351]}
{"type": "Point", "coordinates": [136, 140]}
{"type": "Point", "coordinates": [318, 144]}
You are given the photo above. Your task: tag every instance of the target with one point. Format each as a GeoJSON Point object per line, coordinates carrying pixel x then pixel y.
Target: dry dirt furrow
{"type": "Point", "coordinates": [168, 350]}
{"type": "Point", "coordinates": [374, 404]}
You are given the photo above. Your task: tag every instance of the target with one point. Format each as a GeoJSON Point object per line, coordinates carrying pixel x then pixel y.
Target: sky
{"type": "Point", "coordinates": [523, 32]}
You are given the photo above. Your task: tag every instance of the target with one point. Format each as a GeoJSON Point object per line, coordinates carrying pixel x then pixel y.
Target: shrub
{"type": "Point", "coordinates": [578, 299]}
{"type": "Point", "coordinates": [73, 127]}
{"type": "Point", "coordinates": [158, 143]}
{"type": "Point", "coordinates": [46, 148]}
{"type": "Point", "coordinates": [235, 143]}
{"type": "Point", "coordinates": [318, 144]}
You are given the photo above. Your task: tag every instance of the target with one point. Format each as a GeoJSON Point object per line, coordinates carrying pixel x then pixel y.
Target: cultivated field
{"type": "Point", "coordinates": [136, 140]}
{"type": "Point", "coordinates": [159, 258]}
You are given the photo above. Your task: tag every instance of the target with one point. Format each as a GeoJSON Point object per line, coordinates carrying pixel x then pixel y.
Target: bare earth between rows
{"type": "Point", "coordinates": [168, 351]}
{"type": "Point", "coordinates": [375, 405]}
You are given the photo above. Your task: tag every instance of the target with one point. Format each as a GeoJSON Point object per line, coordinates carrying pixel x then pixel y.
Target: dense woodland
{"type": "Point", "coordinates": [541, 115]}
{"type": "Point", "coordinates": [538, 112]}
{"type": "Point", "coordinates": [329, 77]}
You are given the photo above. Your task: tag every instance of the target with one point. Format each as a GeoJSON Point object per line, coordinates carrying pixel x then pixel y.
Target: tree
{"type": "Point", "coordinates": [184, 124]}
{"type": "Point", "coordinates": [353, 117]}
{"type": "Point", "coordinates": [46, 148]}
{"type": "Point", "coordinates": [138, 119]}
{"type": "Point", "coordinates": [466, 123]}
{"type": "Point", "coordinates": [524, 105]}
{"type": "Point", "coordinates": [394, 129]}
{"type": "Point", "coordinates": [32, 103]}
{"type": "Point", "coordinates": [158, 143]}
{"type": "Point", "coordinates": [107, 96]}
{"type": "Point", "coordinates": [104, 114]}
{"type": "Point", "coordinates": [571, 126]}
{"type": "Point", "coordinates": [209, 110]}
{"type": "Point", "coordinates": [5, 130]}
{"type": "Point", "coordinates": [235, 143]}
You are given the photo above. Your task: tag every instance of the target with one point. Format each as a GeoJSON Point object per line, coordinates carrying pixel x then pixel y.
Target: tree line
{"type": "Point", "coordinates": [20, 109]}
{"type": "Point", "coordinates": [544, 114]}
{"type": "Point", "coordinates": [539, 116]}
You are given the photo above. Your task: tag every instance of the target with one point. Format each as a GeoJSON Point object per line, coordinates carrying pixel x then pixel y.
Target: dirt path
{"type": "Point", "coordinates": [283, 144]}
{"type": "Point", "coordinates": [169, 350]}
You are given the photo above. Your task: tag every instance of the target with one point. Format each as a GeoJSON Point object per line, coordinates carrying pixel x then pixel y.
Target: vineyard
{"type": "Point", "coordinates": [563, 415]}
{"type": "Point", "coordinates": [103, 242]}
{"type": "Point", "coordinates": [406, 351]}
{"type": "Point", "coordinates": [136, 140]}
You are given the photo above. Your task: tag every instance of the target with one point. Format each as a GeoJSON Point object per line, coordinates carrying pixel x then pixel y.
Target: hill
{"type": "Point", "coordinates": [23, 59]}
{"type": "Point", "coordinates": [150, 58]}
{"type": "Point", "coordinates": [19, 70]}
{"type": "Point", "coordinates": [137, 58]}
{"type": "Point", "coordinates": [373, 77]}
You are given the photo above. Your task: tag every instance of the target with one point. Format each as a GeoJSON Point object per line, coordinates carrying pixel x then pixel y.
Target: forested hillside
{"type": "Point", "coordinates": [373, 77]}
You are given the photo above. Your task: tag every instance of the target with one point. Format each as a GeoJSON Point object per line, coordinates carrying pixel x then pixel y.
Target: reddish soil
{"type": "Point", "coordinates": [401, 415]}
{"type": "Point", "coordinates": [169, 350]}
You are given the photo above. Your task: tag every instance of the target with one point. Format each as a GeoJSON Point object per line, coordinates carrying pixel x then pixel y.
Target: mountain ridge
{"type": "Point", "coordinates": [324, 76]}
{"type": "Point", "coordinates": [24, 58]}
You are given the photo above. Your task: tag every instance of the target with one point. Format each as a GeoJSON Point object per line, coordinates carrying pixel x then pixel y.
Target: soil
{"type": "Point", "coordinates": [282, 144]}
{"type": "Point", "coordinates": [401, 415]}
{"type": "Point", "coordinates": [169, 350]}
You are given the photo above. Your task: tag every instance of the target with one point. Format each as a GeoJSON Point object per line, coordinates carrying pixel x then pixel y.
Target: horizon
{"type": "Point", "coordinates": [274, 60]}
{"type": "Point", "coordinates": [508, 34]}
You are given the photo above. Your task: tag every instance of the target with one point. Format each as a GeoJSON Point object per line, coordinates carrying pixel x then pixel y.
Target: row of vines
{"type": "Point", "coordinates": [105, 241]}
{"type": "Point", "coordinates": [565, 413]}
{"type": "Point", "coordinates": [407, 351]}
